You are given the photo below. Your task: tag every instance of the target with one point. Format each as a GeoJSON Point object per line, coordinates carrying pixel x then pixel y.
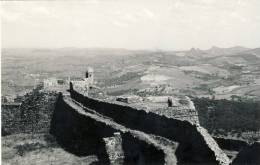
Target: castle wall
{"type": "Point", "coordinates": [33, 115]}
{"type": "Point", "coordinates": [83, 135]}
{"type": "Point", "coordinates": [10, 115]}
{"type": "Point", "coordinates": [196, 143]}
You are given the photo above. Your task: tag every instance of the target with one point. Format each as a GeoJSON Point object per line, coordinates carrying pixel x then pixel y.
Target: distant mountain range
{"type": "Point", "coordinates": [216, 51]}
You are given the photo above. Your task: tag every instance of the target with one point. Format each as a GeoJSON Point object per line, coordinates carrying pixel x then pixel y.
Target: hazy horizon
{"type": "Point", "coordinates": [133, 25]}
{"type": "Point", "coordinates": [53, 48]}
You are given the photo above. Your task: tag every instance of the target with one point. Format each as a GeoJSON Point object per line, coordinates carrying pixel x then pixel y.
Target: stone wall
{"type": "Point", "coordinates": [10, 118]}
{"type": "Point", "coordinates": [83, 135]}
{"type": "Point", "coordinates": [33, 115]}
{"type": "Point", "coordinates": [180, 113]}
{"type": "Point", "coordinates": [36, 111]}
{"type": "Point", "coordinates": [195, 143]}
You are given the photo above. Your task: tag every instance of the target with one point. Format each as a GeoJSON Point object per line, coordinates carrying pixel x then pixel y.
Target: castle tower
{"type": "Point", "coordinates": [90, 76]}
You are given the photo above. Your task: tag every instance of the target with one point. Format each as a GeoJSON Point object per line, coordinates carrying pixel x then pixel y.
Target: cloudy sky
{"type": "Point", "coordinates": [131, 24]}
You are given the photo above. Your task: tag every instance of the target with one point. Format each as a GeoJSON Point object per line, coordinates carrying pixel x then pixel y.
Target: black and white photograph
{"type": "Point", "coordinates": [130, 82]}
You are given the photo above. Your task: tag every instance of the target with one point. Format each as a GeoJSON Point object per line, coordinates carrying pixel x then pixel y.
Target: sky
{"type": "Point", "coordinates": [130, 24]}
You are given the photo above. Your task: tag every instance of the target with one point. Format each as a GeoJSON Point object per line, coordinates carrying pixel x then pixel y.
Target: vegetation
{"type": "Point", "coordinates": [223, 116]}
{"type": "Point", "coordinates": [122, 79]}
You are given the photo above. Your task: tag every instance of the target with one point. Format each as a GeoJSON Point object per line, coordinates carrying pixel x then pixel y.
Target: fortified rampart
{"type": "Point", "coordinates": [195, 144]}
{"type": "Point", "coordinates": [83, 133]}
{"type": "Point", "coordinates": [10, 117]}
{"type": "Point", "coordinates": [147, 137]}
{"type": "Point", "coordinates": [121, 133]}
{"type": "Point", "coordinates": [32, 115]}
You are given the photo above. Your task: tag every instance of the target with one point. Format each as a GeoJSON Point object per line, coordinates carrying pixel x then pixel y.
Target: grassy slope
{"type": "Point", "coordinates": [40, 149]}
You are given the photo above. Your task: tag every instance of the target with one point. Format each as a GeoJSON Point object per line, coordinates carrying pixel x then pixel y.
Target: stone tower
{"type": "Point", "coordinates": [89, 76]}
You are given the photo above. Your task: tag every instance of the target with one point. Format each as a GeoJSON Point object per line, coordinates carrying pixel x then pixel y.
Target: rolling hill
{"type": "Point", "coordinates": [194, 72]}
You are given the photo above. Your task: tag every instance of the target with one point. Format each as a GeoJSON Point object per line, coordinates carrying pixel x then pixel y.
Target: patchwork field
{"type": "Point", "coordinates": [219, 72]}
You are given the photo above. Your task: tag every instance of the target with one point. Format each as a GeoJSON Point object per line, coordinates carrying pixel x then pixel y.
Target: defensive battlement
{"type": "Point", "coordinates": [184, 110]}
{"type": "Point", "coordinates": [171, 106]}
{"type": "Point", "coordinates": [84, 84]}
{"type": "Point", "coordinates": [61, 85]}
{"type": "Point", "coordinates": [170, 117]}
{"type": "Point", "coordinates": [124, 117]}
{"type": "Point", "coordinates": [181, 108]}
